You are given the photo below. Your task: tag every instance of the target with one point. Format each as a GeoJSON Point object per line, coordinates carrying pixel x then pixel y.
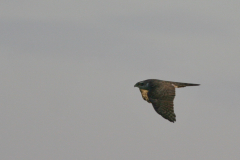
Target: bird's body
{"type": "Point", "coordinates": [161, 94]}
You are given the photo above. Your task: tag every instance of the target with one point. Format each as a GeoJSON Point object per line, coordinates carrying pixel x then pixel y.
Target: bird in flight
{"type": "Point", "coordinates": [161, 94]}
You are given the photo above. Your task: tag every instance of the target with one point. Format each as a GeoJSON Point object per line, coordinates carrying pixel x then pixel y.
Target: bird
{"type": "Point", "coordinates": [161, 94]}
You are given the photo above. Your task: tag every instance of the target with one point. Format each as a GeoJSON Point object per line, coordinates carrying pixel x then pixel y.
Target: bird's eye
{"type": "Point", "coordinates": [140, 84]}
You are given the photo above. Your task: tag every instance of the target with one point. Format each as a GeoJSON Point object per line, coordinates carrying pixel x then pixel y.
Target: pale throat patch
{"type": "Point", "coordinates": [144, 95]}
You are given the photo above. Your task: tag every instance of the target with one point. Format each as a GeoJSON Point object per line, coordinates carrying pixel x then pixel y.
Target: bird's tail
{"type": "Point", "coordinates": [179, 84]}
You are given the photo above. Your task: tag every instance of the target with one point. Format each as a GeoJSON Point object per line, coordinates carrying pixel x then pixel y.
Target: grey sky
{"type": "Point", "coordinates": [68, 69]}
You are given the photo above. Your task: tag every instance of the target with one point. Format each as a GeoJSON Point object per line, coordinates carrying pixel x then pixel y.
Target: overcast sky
{"type": "Point", "coordinates": [68, 69]}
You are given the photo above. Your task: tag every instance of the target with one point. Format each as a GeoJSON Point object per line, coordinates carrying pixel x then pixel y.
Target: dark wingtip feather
{"type": "Point", "coordinates": [172, 120]}
{"type": "Point", "coordinates": [179, 84]}
{"type": "Point", "coordinates": [190, 84]}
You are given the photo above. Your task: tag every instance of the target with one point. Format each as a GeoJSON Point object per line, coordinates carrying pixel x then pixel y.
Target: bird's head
{"type": "Point", "coordinates": [142, 85]}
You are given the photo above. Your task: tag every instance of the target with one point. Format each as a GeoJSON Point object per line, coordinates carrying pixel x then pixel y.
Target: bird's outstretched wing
{"type": "Point", "coordinates": [162, 102]}
{"type": "Point", "coordinates": [180, 84]}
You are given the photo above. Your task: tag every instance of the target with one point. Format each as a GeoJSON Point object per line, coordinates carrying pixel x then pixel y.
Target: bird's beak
{"type": "Point", "coordinates": [135, 85]}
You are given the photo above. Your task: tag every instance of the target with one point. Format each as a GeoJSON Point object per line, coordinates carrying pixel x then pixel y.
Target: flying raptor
{"type": "Point", "coordinates": [161, 94]}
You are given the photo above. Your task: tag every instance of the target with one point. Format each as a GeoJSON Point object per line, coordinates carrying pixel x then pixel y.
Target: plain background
{"type": "Point", "coordinates": [68, 69]}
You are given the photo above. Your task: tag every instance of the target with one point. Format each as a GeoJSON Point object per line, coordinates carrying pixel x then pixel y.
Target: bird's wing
{"type": "Point", "coordinates": [180, 84]}
{"type": "Point", "coordinates": [162, 101]}
{"type": "Point", "coordinates": [145, 95]}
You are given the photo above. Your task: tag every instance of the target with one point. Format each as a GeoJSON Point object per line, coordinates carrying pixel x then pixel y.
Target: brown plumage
{"type": "Point", "coordinates": [161, 94]}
